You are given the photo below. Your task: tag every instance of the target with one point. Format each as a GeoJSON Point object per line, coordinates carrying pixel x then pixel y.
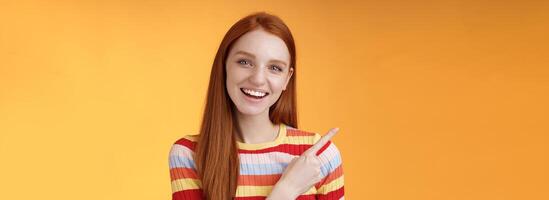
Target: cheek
{"type": "Point", "coordinates": [233, 76]}
{"type": "Point", "coordinates": [277, 83]}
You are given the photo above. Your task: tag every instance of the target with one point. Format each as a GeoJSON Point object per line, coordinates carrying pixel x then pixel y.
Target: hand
{"type": "Point", "coordinates": [302, 172]}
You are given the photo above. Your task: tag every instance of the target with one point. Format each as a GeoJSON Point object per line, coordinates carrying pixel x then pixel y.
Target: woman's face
{"type": "Point", "coordinates": [258, 70]}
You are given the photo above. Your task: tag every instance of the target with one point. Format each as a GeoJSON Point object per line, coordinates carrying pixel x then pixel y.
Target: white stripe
{"type": "Point", "coordinates": [180, 150]}
{"type": "Point", "coordinates": [266, 158]}
{"type": "Point", "coordinates": [329, 154]}
{"type": "Point", "coordinates": [281, 157]}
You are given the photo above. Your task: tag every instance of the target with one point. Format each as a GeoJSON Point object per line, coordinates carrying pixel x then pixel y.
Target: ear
{"type": "Point", "coordinates": [288, 79]}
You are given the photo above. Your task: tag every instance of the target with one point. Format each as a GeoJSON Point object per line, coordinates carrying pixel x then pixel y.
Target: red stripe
{"type": "Point", "coordinates": [250, 198]}
{"type": "Point", "coordinates": [182, 172]}
{"type": "Point", "coordinates": [293, 149]}
{"type": "Point", "coordinates": [338, 172]}
{"type": "Point", "coordinates": [306, 197]}
{"type": "Point", "coordinates": [294, 132]}
{"type": "Point", "coordinates": [258, 180]}
{"type": "Point", "coordinates": [336, 194]}
{"type": "Point", "coordinates": [194, 194]}
{"type": "Point", "coordinates": [187, 143]}
{"type": "Point", "coordinates": [323, 148]}
{"type": "Point", "coordinates": [301, 197]}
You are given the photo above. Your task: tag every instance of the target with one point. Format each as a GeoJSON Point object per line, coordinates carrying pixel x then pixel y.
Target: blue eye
{"type": "Point", "coordinates": [243, 62]}
{"type": "Point", "coordinates": [277, 68]}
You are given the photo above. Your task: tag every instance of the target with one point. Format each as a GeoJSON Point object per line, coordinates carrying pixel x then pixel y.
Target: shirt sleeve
{"type": "Point", "coordinates": [185, 183]}
{"type": "Point", "coordinates": [331, 186]}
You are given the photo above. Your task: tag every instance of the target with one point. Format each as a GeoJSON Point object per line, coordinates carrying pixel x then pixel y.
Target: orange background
{"type": "Point", "coordinates": [435, 99]}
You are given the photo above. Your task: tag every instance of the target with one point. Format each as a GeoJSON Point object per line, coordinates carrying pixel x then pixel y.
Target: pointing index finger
{"type": "Point", "coordinates": [320, 143]}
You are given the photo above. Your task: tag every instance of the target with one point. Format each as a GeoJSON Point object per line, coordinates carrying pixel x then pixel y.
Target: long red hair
{"type": "Point", "coordinates": [216, 155]}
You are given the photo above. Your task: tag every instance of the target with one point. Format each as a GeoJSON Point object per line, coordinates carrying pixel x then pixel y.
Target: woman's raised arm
{"type": "Point", "coordinates": [310, 169]}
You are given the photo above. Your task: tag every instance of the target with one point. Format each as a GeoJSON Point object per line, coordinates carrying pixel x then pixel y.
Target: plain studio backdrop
{"type": "Point", "coordinates": [435, 99]}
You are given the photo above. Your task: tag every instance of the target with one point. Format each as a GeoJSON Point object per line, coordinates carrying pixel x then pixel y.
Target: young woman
{"type": "Point", "coordinates": [249, 146]}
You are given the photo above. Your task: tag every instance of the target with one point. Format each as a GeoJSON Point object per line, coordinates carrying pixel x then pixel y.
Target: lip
{"type": "Point", "coordinates": [251, 99]}
{"type": "Point", "coordinates": [258, 90]}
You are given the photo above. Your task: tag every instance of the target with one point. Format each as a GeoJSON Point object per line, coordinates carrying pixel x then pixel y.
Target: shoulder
{"type": "Point", "coordinates": [301, 137]}
{"type": "Point", "coordinates": [184, 146]}
{"type": "Point", "coordinates": [330, 158]}
{"type": "Point", "coordinates": [188, 141]}
{"type": "Point", "coordinates": [309, 138]}
{"type": "Point", "coordinates": [304, 137]}
{"type": "Point", "coordinates": [182, 152]}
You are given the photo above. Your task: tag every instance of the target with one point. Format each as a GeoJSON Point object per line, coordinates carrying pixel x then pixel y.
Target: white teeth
{"type": "Point", "coordinates": [254, 93]}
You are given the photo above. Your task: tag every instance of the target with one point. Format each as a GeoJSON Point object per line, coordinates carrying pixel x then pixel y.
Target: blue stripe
{"type": "Point", "coordinates": [330, 166]}
{"type": "Point", "coordinates": [180, 161]}
{"type": "Point", "coordinates": [257, 169]}
{"type": "Point", "coordinates": [262, 169]}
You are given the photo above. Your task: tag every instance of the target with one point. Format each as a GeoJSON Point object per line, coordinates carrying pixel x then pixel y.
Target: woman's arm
{"type": "Point", "coordinates": [184, 179]}
{"type": "Point", "coordinates": [331, 186]}
{"type": "Point", "coordinates": [315, 167]}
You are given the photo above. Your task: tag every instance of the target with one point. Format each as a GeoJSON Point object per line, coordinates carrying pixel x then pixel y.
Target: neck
{"type": "Point", "coordinates": [257, 128]}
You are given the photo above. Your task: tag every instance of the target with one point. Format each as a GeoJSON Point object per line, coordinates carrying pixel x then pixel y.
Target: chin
{"type": "Point", "coordinates": [251, 111]}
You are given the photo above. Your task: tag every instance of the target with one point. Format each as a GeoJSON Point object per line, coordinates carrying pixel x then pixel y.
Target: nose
{"type": "Point", "coordinates": [258, 76]}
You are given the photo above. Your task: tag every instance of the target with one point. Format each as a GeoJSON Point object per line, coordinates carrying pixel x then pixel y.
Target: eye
{"type": "Point", "coordinates": [243, 62]}
{"type": "Point", "coordinates": [276, 68]}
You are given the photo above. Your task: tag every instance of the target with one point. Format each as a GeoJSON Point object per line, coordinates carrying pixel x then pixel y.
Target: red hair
{"type": "Point", "coordinates": [216, 155]}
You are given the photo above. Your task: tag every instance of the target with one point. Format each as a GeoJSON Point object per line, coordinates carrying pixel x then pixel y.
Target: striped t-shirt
{"type": "Point", "coordinates": [261, 166]}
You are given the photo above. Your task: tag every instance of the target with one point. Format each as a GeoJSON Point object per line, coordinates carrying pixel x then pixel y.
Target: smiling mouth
{"type": "Point", "coordinates": [254, 94]}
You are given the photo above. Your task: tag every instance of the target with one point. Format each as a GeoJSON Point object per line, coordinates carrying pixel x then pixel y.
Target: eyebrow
{"type": "Point", "coordinates": [253, 56]}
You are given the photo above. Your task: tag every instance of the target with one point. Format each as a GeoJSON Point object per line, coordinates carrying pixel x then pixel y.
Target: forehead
{"type": "Point", "coordinates": [263, 45]}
